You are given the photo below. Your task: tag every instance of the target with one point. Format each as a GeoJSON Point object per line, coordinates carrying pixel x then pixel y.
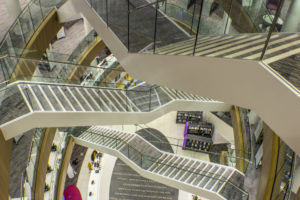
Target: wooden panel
{"type": "Point", "coordinates": [86, 59]}
{"type": "Point", "coordinates": [64, 168]}
{"type": "Point", "coordinates": [5, 153]}
{"type": "Point", "coordinates": [238, 138]}
{"type": "Point", "coordinates": [269, 163]}
{"type": "Point", "coordinates": [43, 162]}
{"type": "Point", "coordinates": [39, 42]}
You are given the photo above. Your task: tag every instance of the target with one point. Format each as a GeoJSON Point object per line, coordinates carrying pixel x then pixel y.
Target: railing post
{"type": "Point", "coordinates": [155, 26]}
{"type": "Point", "coordinates": [200, 13]}
{"type": "Point", "coordinates": [191, 31]}
{"type": "Point", "coordinates": [41, 10]}
{"type": "Point", "coordinates": [106, 13]}
{"type": "Point", "coordinates": [274, 22]}
{"type": "Point", "coordinates": [128, 24]}
{"type": "Point", "coordinates": [150, 101]}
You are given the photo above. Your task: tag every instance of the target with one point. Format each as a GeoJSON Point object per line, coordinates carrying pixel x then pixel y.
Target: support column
{"type": "Point", "coordinates": [292, 21]}
{"type": "Point", "coordinates": [5, 152]}
{"type": "Point", "coordinates": [14, 8]}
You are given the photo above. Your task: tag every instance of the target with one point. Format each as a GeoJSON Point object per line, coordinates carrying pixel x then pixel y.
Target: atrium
{"type": "Point", "coordinates": [149, 99]}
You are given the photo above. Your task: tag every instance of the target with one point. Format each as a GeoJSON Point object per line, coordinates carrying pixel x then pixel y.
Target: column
{"type": "Point", "coordinates": [14, 8]}
{"type": "Point", "coordinates": [292, 21]}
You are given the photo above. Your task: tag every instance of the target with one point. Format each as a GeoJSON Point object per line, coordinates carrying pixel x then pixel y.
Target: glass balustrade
{"type": "Point", "coordinates": [23, 28]}
{"type": "Point", "coordinates": [228, 156]}
{"type": "Point", "coordinates": [165, 28]}
{"type": "Point", "coordinates": [28, 182]}
{"type": "Point", "coordinates": [144, 160]}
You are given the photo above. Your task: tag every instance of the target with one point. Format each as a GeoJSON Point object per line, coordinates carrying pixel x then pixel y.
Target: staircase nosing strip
{"type": "Point", "coordinates": [206, 165]}
{"type": "Point", "coordinates": [110, 103]}
{"type": "Point", "coordinates": [131, 102]}
{"type": "Point", "coordinates": [183, 49]}
{"type": "Point", "coordinates": [211, 189]}
{"type": "Point", "coordinates": [160, 163]}
{"type": "Point", "coordinates": [231, 46]}
{"type": "Point", "coordinates": [175, 168]}
{"type": "Point", "coordinates": [67, 99]}
{"type": "Point", "coordinates": [46, 97]}
{"type": "Point", "coordinates": [187, 163]}
{"type": "Point", "coordinates": [112, 95]}
{"type": "Point", "coordinates": [211, 178]}
{"type": "Point", "coordinates": [200, 48]}
{"type": "Point", "coordinates": [127, 103]}
{"type": "Point", "coordinates": [97, 105]}
{"type": "Point", "coordinates": [57, 99]}
{"type": "Point", "coordinates": [220, 179]}
{"type": "Point", "coordinates": [169, 93]}
{"type": "Point", "coordinates": [191, 172]}
{"type": "Point", "coordinates": [225, 181]}
{"type": "Point", "coordinates": [164, 156]}
{"type": "Point", "coordinates": [103, 102]}
{"type": "Point", "coordinates": [168, 165]}
{"type": "Point", "coordinates": [35, 97]}
{"type": "Point", "coordinates": [25, 99]}
{"type": "Point", "coordinates": [84, 99]}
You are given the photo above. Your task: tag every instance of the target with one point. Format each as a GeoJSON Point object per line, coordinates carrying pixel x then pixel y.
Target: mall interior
{"type": "Point", "coordinates": [149, 99]}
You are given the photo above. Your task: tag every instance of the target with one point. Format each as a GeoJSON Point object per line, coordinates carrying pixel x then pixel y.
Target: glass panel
{"type": "Point", "coordinates": [100, 7]}
{"type": "Point", "coordinates": [47, 6]}
{"type": "Point", "coordinates": [142, 27]}
{"type": "Point", "coordinates": [26, 24]}
{"type": "Point", "coordinates": [172, 32]}
{"type": "Point", "coordinates": [118, 19]}
{"type": "Point", "coordinates": [36, 14]}
{"type": "Point", "coordinates": [282, 52]}
{"type": "Point", "coordinates": [12, 104]}
{"type": "Point", "coordinates": [16, 36]}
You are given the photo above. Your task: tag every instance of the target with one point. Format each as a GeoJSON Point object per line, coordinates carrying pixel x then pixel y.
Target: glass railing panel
{"type": "Point", "coordinates": [16, 36]}
{"type": "Point", "coordinates": [186, 17]}
{"type": "Point", "coordinates": [100, 7]}
{"type": "Point", "coordinates": [282, 52]}
{"type": "Point", "coordinates": [141, 27]}
{"type": "Point", "coordinates": [26, 24]}
{"type": "Point", "coordinates": [47, 6]}
{"type": "Point", "coordinates": [168, 32]}
{"type": "Point", "coordinates": [118, 19]}
{"type": "Point", "coordinates": [214, 19]}
{"type": "Point", "coordinates": [12, 104]}
{"type": "Point", "coordinates": [36, 14]}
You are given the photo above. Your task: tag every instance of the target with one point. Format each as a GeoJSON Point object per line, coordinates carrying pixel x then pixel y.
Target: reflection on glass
{"type": "Point", "coordinates": [26, 24]}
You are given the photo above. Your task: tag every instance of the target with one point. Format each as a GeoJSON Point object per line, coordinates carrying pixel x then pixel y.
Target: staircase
{"type": "Point", "coordinates": [242, 46]}
{"type": "Point", "coordinates": [27, 105]}
{"type": "Point", "coordinates": [247, 83]}
{"type": "Point", "coordinates": [209, 180]}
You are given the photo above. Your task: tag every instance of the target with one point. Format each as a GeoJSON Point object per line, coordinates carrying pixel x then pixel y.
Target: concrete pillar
{"type": "Point", "coordinates": [292, 20]}
{"type": "Point", "coordinates": [14, 8]}
{"type": "Point", "coordinates": [87, 26]}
